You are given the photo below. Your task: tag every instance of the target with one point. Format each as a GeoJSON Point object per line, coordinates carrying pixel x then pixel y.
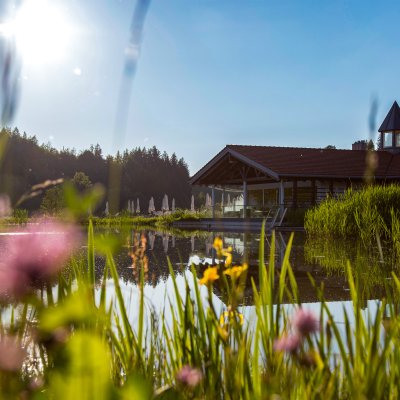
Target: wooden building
{"type": "Point", "coordinates": [299, 177]}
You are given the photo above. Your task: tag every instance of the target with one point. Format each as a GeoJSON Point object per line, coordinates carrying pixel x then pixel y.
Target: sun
{"type": "Point", "coordinates": [42, 31]}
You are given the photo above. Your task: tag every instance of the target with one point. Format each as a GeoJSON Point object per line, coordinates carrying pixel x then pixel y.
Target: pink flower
{"type": "Point", "coordinates": [305, 322]}
{"type": "Point", "coordinates": [189, 376]}
{"type": "Point", "coordinates": [12, 354]}
{"type": "Point", "coordinates": [287, 343]}
{"type": "Point", "coordinates": [5, 206]}
{"type": "Point", "coordinates": [35, 254]}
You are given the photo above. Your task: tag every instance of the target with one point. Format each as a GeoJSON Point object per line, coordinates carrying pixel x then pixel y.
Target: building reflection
{"type": "Point", "coordinates": [197, 248]}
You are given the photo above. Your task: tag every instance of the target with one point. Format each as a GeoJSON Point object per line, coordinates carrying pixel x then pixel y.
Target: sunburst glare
{"type": "Point", "coordinates": [42, 30]}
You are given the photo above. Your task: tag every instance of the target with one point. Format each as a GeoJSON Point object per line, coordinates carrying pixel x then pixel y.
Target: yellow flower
{"type": "Point", "coordinates": [223, 333]}
{"type": "Point", "coordinates": [228, 254]}
{"type": "Point", "coordinates": [210, 275]}
{"type": "Point", "coordinates": [218, 243]}
{"type": "Point", "coordinates": [231, 315]}
{"type": "Point", "coordinates": [316, 359]}
{"type": "Point", "coordinates": [235, 272]}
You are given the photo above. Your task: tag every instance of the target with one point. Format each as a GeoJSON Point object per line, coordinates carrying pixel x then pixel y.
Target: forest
{"type": "Point", "coordinates": [144, 173]}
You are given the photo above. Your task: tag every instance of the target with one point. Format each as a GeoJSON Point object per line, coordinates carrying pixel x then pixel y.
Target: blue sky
{"type": "Point", "coordinates": [215, 72]}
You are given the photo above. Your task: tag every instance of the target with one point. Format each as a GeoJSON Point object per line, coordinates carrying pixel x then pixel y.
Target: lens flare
{"type": "Point", "coordinates": [42, 31]}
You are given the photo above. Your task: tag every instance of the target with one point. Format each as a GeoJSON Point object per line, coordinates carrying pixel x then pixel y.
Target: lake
{"type": "Point", "coordinates": [323, 260]}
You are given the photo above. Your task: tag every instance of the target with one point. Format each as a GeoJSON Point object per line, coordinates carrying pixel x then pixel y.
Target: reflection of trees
{"type": "Point", "coordinates": [160, 245]}
{"type": "Point", "coordinates": [246, 246]}
{"type": "Point", "coordinates": [335, 289]}
{"type": "Point", "coordinates": [325, 265]}
{"type": "Point", "coordinates": [366, 263]}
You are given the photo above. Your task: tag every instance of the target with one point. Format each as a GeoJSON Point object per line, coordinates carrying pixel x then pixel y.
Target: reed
{"type": "Point", "coordinates": [81, 341]}
{"type": "Point", "coordinates": [367, 214]}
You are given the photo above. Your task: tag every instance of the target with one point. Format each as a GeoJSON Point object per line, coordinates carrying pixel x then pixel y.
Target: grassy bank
{"type": "Point", "coordinates": [160, 222]}
{"type": "Point", "coordinates": [367, 214]}
{"type": "Point", "coordinates": [18, 217]}
{"type": "Point", "coordinates": [146, 222]}
{"type": "Point", "coordinates": [79, 343]}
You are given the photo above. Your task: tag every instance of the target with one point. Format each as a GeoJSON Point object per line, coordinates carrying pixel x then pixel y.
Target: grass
{"type": "Point", "coordinates": [83, 344]}
{"type": "Point", "coordinates": [368, 214]}
{"type": "Point", "coordinates": [18, 217]}
{"type": "Point", "coordinates": [162, 221]}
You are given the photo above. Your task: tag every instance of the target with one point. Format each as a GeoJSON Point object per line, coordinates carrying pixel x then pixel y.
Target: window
{"type": "Point", "coordinates": [387, 139]}
{"type": "Point", "coordinates": [397, 143]}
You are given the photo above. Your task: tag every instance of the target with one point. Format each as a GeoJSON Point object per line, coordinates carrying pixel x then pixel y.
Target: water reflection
{"type": "Point", "coordinates": [185, 248]}
{"type": "Point", "coordinates": [373, 267]}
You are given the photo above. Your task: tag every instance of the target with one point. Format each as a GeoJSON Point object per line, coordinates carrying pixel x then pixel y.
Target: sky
{"type": "Point", "coordinates": [213, 72]}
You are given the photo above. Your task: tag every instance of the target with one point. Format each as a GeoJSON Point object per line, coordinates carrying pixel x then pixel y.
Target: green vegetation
{"type": "Point", "coordinates": [367, 214]}
{"type": "Point", "coordinates": [18, 216]}
{"type": "Point", "coordinates": [145, 173]}
{"type": "Point", "coordinates": [81, 346]}
{"type": "Point", "coordinates": [53, 200]}
{"type": "Point", "coordinates": [161, 221]}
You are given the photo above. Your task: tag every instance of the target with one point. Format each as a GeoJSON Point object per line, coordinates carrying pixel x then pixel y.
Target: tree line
{"type": "Point", "coordinates": [145, 172]}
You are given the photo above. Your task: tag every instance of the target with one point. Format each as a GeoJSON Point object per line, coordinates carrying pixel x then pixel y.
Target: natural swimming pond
{"type": "Point", "coordinates": [316, 263]}
{"type": "Point", "coordinates": [320, 263]}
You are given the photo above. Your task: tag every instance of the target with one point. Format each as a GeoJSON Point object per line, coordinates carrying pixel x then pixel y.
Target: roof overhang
{"type": "Point", "coordinates": [212, 173]}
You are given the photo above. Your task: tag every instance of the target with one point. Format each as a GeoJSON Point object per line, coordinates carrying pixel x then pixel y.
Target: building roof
{"type": "Point", "coordinates": [268, 164]}
{"type": "Point", "coordinates": [392, 120]}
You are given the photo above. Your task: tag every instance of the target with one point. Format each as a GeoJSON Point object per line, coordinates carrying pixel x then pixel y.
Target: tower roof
{"type": "Point", "coordinates": [392, 120]}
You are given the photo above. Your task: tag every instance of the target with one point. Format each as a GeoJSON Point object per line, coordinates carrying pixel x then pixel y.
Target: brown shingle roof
{"type": "Point", "coordinates": [285, 162]}
{"type": "Point", "coordinates": [296, 161]}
